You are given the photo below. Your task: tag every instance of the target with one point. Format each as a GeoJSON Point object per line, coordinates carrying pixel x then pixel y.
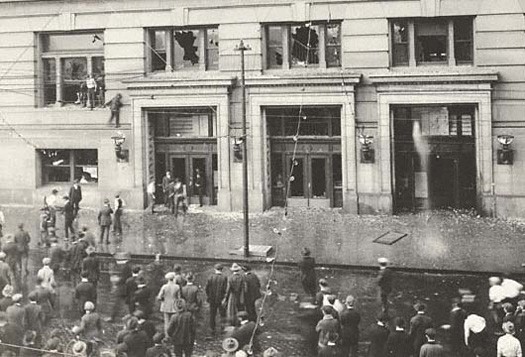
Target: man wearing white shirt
{"type": "Point", "coordinates": [91, 85]}
{"type": "Point", "coordinates": [151, 194]}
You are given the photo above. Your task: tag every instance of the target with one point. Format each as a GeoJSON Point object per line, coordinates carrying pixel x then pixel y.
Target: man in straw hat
{"type": "Point", "coordinates": [16, 314]}
{"type": "Point", "coordinates": [235, 294]}
{"type": "Point", "coordinates": [215, 292]}
{"type": "Point", "coordinates": [508, 345]}
{"type": "Point", "coordinates": [181, 329]}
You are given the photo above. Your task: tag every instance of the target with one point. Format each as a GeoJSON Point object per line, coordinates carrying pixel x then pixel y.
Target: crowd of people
{"type": "Point", "coordinates": [467, 334]}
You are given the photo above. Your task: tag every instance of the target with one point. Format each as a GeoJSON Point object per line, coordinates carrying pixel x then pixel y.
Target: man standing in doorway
{"type": "Point", "coordinates": [75, 195]}
{"type": "Point", "coordinates": [198, 184]}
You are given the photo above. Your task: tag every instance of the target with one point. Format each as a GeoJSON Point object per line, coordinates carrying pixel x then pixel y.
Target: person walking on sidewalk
{"type": "Point", "coordinates": [117, 217]}
{"type": "Point", "coordinates": [69, 217]}
{"type": "Point", "coordinates": [75, 195]}
{"type": "Point", "coordinates": [151, 195]}
{"type": "Point", "coordinates": [104, 221]}
{"type": "Point", "coordinates": [215, 292]}
{"type": "Point", "coordinates": [22, 239]}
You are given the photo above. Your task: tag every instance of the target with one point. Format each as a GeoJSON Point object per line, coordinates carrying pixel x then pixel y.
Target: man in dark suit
{"type": "Point", "coordinates": [69, 217]}
{"type": "Point", "coordinates": [378, 335]}
{"type": "Point", "coordinates": [104, 221]}
{"type": "Point", "coordinates": [253, 292]}
{"type": "Point", "coordinates": [215, 292]}
{"type": "Point", "coordinates": [349, 319]}
{"type": "Point", "coordinates": [457, 321]}
{"type": "Point", "coordinates": [398, 342]}
{"type": "Point", "coordinates": [244, 332]}
{"type": "Point", "coordinates": [431, 348]}
{"type": "Point", "coordinates": [384, 281]}
{"type": "Point", "coordinates": [35, 317]}
{"type": "Point", "coordinates": [22, 239]}
{"type": "Point", "coordinates": [418, 325]}
{"type": "Point", "coordinates": [131, 287]}
{"type": "Point", "coordinates": [85, 291]}
{"type": "Point", "coordinates": [165, 187]}
{"type": "Point", "coordinates": [181, 329]}
{"type": "Point", "coordinates": [91, 265]}
{"type": "Point", "coordinates": [191, 294]}
{"type": "Point", "coordinates": [75, 195]}
{"type": "Point", "coordinates": [16, 314]}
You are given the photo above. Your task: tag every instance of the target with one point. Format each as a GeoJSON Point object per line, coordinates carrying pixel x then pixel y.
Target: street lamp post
{"type": "Point", "coordinates": [242, 48]}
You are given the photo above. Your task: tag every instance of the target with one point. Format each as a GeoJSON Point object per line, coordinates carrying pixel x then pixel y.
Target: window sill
{"type": "Point", "coordinates": [72, 107]}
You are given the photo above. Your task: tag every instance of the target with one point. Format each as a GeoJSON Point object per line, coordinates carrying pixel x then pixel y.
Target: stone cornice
{"type": "Point", "coordinates": [450, 76]}
{"type": "Point", "coordinates": [291, 79]}
{"type": "Point", "coordinates": [169, 81]}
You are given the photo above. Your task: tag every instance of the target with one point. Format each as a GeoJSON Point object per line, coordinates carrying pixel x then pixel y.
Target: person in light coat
{"type": "Point", "coordinates": [47, 275]}
{"type": "Point", "coordinates": [168, 295]}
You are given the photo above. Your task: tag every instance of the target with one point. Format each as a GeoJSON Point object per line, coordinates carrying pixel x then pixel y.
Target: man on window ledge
{"type": "Point", "coordinates": [91, 85]}
{"type": "Point", "coordinates": [114, 105]}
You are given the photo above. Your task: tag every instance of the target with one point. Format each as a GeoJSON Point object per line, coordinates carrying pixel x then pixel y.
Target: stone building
{"type": "Point", "coordinates": [373, 106]}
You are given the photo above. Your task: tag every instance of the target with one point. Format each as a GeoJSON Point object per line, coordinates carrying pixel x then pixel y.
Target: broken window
{"type": "Point", "coordinates": [321, 121]}
{"type": "Point", "coordinates": [400, 43]}
{"type": "Point", "coordinates": [431, 41]}
{"type": "Point", "coordinates": [60, 165]}
{"type": "Point", "coordinates": [299, 45]}
{"type": "Point", "coordinates": [186, 49]}
{"type": "Point", "coordinates": [76, 55]}
{"type": "Point", "coordinates": [305, 45]}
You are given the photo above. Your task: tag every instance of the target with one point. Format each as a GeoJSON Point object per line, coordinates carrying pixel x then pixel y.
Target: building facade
{"type": "Point", "coordinates": [372, 106]}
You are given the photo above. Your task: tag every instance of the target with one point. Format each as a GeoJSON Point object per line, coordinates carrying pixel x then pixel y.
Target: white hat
{"type": "Point", "coordinates": [88, 305]}
{"type": "Point", "coordinates": [494, 280]}
{"type": "Point", "coordinates": [382, 260]}
{"type": "Point", "coordinates": [46, 261]}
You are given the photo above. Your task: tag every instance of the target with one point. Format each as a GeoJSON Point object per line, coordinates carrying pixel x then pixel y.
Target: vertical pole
{"type": "Point", "coordinates": [242, 48]}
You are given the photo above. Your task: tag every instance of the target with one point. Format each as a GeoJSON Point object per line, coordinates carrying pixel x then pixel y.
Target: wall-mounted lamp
{"type": "Point", "coordinates": [237, 149]}
{"type": "Point", "coordinates": [505, 154]}
{"type": "Point", "coordinates": [367, 153]}
{"type": "Point", "coordinates": [119, 139]}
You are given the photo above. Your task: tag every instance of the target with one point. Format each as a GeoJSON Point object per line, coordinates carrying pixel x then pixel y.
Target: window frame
{"type": "Point", "coordinates": [204, 49]}
{"type": "Point", "coordinates": [287, 45]}
{"type": "Point", "coordinates": [72, 165]}
{"type": "Point", "coordinates": [411, 50]}
{"type": "Point", "coordinates": [58, 56]}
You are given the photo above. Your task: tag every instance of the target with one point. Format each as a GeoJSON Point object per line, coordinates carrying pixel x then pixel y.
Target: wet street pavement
{"type": "Point", "coordinates": [287, 327]}
{"type": "Point", "coordinates": [437, 240]}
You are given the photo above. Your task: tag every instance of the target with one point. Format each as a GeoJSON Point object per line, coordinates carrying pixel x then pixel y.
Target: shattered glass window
{"type": "Point", "coordinates": [186, 49]}
{"type": "Point", "coordinates": [333, 45]}
{"type": "Point", "coordinates": [305, 45]}
{"type": "Point", "coordinates": [400, 43]}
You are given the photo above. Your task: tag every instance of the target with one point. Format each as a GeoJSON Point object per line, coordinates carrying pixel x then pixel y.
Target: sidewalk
{"type": "Point", "coordinates": [438, 240]}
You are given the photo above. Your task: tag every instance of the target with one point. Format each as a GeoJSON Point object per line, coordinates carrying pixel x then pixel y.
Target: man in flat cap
{"type": "Point", "coordinates": [215, 292]}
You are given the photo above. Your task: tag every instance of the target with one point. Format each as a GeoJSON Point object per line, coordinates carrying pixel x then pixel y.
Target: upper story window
{"type": "Point", "coordinates": [303, 45]}
{"type": "Point", "coordinates": [432, 41]}
{"type": "Point", "coordinates": [184, 122]}
{"type": "Point", "coordinates": [72, 68]}
{"type": "Point", "coordinates": [178, 49]}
